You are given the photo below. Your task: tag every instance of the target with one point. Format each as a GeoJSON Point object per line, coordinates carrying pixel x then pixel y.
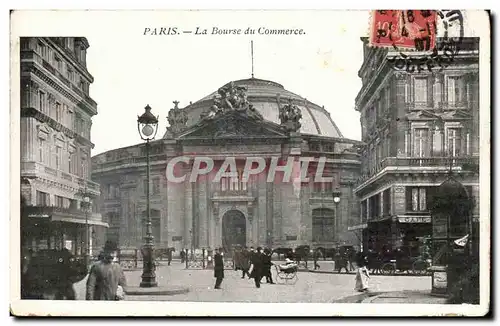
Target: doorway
{"type": "Point", "coordinates": [234, 231]}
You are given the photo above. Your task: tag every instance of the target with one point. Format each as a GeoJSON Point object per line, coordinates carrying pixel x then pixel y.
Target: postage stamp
{"type": "Point", "coordinates": [404, 29]}
{"type": "Point", "coordinates": [241, 163]}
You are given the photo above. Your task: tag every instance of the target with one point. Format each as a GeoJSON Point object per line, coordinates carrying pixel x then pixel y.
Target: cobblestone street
{"type": "Point", "coordinates": [310, 287]}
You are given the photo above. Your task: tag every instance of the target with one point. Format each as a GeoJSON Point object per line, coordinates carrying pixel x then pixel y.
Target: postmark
{"type": "Point", "coordinates": [435, 51]}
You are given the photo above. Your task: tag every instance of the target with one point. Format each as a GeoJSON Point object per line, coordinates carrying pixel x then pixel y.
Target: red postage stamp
{"type": "Point", "coordinates": [405, 29]}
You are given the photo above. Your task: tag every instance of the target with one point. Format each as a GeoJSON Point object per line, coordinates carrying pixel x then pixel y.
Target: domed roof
{"type": "Point", "coordinates": [267, 96]}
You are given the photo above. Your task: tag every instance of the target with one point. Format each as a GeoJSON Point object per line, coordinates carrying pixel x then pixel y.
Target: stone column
{"type": "Point", "coordinates": [381, 201]}
{"type": "Point", "coordinates": [215, 239]}
{"type": "Point", "coordinates": [252, 234]}
{"type": "Point", "coordinates": [188, 209]}
{"type": "Point", "coordinates": [203, 212]}
{"type": "Point", "coordinates": [278, 236]}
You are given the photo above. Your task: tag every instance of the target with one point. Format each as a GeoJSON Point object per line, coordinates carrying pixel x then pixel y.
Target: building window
{"type": "Point", "coordinates": [323, 225]}
{"type": "Point", "coordinates": [70, 160]}
{"type": "Point", "coordinates": [456, 90]}
{"type": "Point", "coordinates": [42, 103]}
{"type": "Point", "coordinates": [70, 119]}
{"type": "Point", "coordinates": [59, 64]}
{"type": "Point", "coordinates": [420, 90]}
{"type": "Point", "coordinates": [84, 166]}
{"type": "Point", "coordinates": [145, 186]}
{"type": "Point", "coordinates": [420, 142]}
{"type": "Point", "coordinates": [454, 141]}
{"type": "Point", "coordinates": [156, 186]}
{"type": "Point", "coordinates": [42, 198]}
{"type": "Point", "coordinates": [58, 112]}
{"type": "Point", "coordinates": [233, 183]}
{"type": "Point", "coordinates": [57, 157]}
{"type": "Point", "coordinates": [416, 199]}
{"type": "Point", "coordinates": [71, 75]}
{"type": "Point", "coordinates": [59, 201]}
{"type": "Point", "coordinates": [386, 198]}
{"type": "Point", "coordinates": [41, 150]}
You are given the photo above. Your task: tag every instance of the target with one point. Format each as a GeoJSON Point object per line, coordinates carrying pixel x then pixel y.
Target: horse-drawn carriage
{"type": "Point", "coordinates": [396, 261]}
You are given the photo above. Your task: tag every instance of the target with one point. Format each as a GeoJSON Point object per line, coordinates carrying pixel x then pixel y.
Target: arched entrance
{"type": "Point", "coordinates": [234, 231]}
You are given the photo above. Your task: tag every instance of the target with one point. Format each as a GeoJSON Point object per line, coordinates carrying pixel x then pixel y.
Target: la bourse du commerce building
{"type": "Point", "coordinates": [244, 118]}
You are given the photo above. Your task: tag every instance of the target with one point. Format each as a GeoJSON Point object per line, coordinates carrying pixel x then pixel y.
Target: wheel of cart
{"type": "Point", "coordinates": [286, 275]}
{"type": "Point", "coordinates": [420, 267]}
{"type": "Point", "coordinates": [388, 268]}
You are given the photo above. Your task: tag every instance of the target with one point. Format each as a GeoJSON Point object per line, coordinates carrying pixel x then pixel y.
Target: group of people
{"type": "Point", "coordinates": [50, 274]}
{"type": "Point", "coordinates": [254, 263]}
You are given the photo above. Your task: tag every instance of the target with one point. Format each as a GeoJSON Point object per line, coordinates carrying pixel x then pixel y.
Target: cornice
{"type": "Point", "coordinates": [80, 99]}
{"type": "Point", "coordinates": [69, 56]}
{"type": "Point", "coordinates": [33, 113]}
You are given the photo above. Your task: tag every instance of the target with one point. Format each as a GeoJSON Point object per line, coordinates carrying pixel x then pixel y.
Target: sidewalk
{"type": "Point", "coordinates": [418, 297]}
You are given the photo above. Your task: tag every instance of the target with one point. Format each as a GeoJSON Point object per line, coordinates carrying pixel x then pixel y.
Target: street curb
{"type": "Point", "coordinates": [163, 290]}
{"type": "Point", "coordinates": [329, 272]}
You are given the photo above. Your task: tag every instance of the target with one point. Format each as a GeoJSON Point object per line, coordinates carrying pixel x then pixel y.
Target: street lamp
{"type": "Point", "coordinates": [147, 125]}
{"type": "Point", "coordinates": [86, 200]}
{"type": "Point", "coordinates": [336, 200]}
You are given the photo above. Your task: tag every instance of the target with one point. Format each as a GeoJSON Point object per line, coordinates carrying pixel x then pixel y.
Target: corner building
{"type": "Point", "coordinates": [207, 214]}
{"type": "Point", "coordinates": [416, 126]}
{"type": "Point", "coordinates": [56, 118]}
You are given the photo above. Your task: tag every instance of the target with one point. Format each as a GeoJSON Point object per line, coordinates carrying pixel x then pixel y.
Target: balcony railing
{"type": "Point", "coordinates": [466, 163]}
{"type": "Point", "coordinates": [31, 169]}
{"type": "Point", "coordinates": [50, 210]}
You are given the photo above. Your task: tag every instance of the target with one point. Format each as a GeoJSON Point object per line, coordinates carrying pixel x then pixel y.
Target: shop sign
{"type": "Point", "coordinates": [414, 219]}
{"type": "Point", "coordinates": [357, 227]}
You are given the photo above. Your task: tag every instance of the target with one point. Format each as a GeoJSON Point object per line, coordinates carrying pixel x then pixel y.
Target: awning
{"type": "Point", "coordinates": [414, 219]}
{"type": "Point", "coordinates": [78, 220]}
{"type": "Point", "coordinates": [357, 227]}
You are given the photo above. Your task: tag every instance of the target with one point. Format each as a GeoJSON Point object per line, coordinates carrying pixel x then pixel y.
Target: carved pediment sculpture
{"type": "Point", "coordinates": [231, 98]}
{"type": "Point", "coordinates": [177, 118]}
{"type": "Point", "coordinates": [290, 116]}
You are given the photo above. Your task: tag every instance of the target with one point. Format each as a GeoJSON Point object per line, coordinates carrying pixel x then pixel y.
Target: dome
{"type": "Point", "coordinates": [266, 96]}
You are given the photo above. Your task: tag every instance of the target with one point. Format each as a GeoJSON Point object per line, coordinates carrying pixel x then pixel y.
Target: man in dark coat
{"type": "Point", "coordinates": [256, 260]}
{"type": "Point", "coordinates": [266, 264]}
{"type": "Point", "coordinates": [245, 262]}
{"type": "Point", "coordinates": [105, 276]}
{"type": "Point", "coordinates": [218, 269]}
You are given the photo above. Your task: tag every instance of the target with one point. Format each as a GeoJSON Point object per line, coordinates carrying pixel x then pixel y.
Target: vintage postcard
{"type": "Point", "coordinates": [250, 163]}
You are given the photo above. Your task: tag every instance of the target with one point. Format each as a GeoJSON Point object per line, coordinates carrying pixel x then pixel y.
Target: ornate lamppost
{"type": "Point", "coordinates": [336, 201]}
{"type": "Point", "coordinates": [147, 125]}
{"type": "Point", "coordinates": [85, 206]}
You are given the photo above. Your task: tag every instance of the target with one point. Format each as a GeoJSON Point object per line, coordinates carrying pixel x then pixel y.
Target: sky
{"type": "Point", "coordinates": [132, 70]}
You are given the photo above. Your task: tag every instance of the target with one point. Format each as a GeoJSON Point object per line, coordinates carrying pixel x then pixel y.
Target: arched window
{"type": "Point", "coordinates": [323, 221]}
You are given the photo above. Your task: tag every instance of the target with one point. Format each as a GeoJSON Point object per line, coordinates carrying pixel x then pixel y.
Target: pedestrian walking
{"type": "Point", "coordinates": [105, 277]}
{"type": "Point", "coordinates": [362, 275]}
{"type": "Point", "coordinates": [315, 259]}
{"type": "Point", "coordinates": [245, 262]}
{"type": "Point", "coordinates": [218, 268]}
{"type": "Point", "coordinates": [257, 267]}
{"type": "Point", "coordinates": [267, 263]}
